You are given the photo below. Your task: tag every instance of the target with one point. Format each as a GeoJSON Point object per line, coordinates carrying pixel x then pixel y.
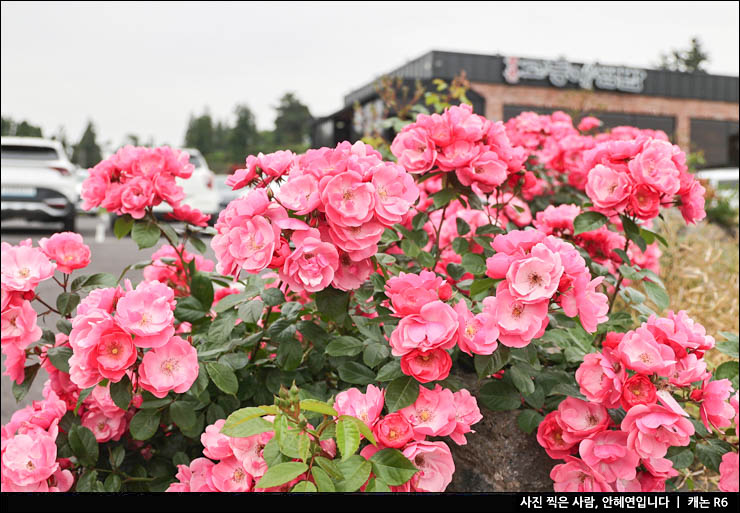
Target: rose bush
{"type": "Point", "coordinates": [322, 350]}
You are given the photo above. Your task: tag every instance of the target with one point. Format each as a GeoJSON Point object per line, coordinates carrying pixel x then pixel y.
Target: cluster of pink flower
{"type": "Point", "coordinates": [29, 460]}
{"type": "Point", "coordinates": [537, 269]}
{"type": "Point", "coordinates": [347, 197]}
{"type": "Point", "coordinates": [638, 177]}
{"type": "Point", "coordinates": [476, 149]}
{"type": "Point", "coordinates": [23, 268]}
{"type": "Point", "coordinates": [638, 371]}
{"type": "Point", "coordinates": [167, 267]}
{"type": "Point", "coordinates": [600, 244]}
{"type": "Point", "coordinates": [136, 178]}
{"type": "Point", "coordinates": [111, 328]}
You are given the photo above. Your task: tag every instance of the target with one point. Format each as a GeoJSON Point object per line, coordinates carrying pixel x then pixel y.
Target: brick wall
{"type": "Point", "coordinates": [498, 95]}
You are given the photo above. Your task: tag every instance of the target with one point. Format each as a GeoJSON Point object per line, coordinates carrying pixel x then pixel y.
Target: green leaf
{"type": "Point", "coordinates": [202, 289]}
{"type": "Point", "coordinates": [344, 346]}
{"type": "Point", "coordinates": [521, 379]}
{"type": "Point", "coordinates": [168, 231]}
{"type": "Point", "coordinates": [657, 294]}
{"type": "Point", "coordinates": [97, 280]}
{"type": "Point", "coordinates": [443, 197]}
{"type": "Point", "coordinates": [144, 424]}
{"type": "Point", "coordinates": [87, 481]}
{"type": "Point", "coordinates": [145, 234]}
{"type": "Point", "coordinates": [121, 392]}
{"type": "Point", "coordinates": [389, 371]}
{"type": "Point", "coordinates": [272, 296]}
{"type": "Point", "coordinates": [289, 354]}
{"type": "Point", "coordinates": [348, 438]}
{"type": "Point", "coordinates": [356, 373]}
{"type": "Point", "coordinates": [246, 422]}
{"type": "Point", "coordinates": [479, 289]}
{"type": "Point", "coordinates": [710, 452]}
{"type": "Point", "coordinates": [499, 396]}
{"type": "Point", "coordinates": [220, 330]}
{"type": "Point", "coordinates": [375, 485]}
{"type": "Point", "coordinates": [29, 374]}
{"type": "Point", "coordinates": [251, 311]}
{"type": "Point", "coordinates": [682, 457]}
{"type": "Point", "coordinates": [727, 370]}
{"type": "Point", "coordinates": [528, 420]}
{"type": "Point", "coordinates": [223, 377]}
{"type": "Point", "coordinates": [392, 467]}
{"type": "Point", "coordinates": [182, 414]}
{"type": "Point", "coordinates": [304, 486]}
{"type": "Point", "coordinates": [229, 302]}
{"type": "Point", "coordinates": [633, 232]}
{"type": "Point", "coordinates": [117, 455]}
{"type": "Point", "coordinates": [281, 474]}
{"type": "Point", "coordinates": [589, 221]}
{"type": "Point", "coordinates": [364, 430]}
{"type": "Point", "coordinates": [455, 271]}
{"type": "Point", "coordinates": [189, 309]}
{"type": "Point", "coordinates": [123, 226]}
{"type": "Point", "coordinates": [485, 365]}
{"type": "Point", "coordinates": [198, 244]}
{"type": "Point", "coordinates": [374, 354]}
{"type": "Point", "coordinates": [322, 479]}
{"type": "Point", "coordinates": [59, 357]}
{"type": "Point", "coordinates": [462, 226]}
{"type": "Point", "coordinates": [83, 395]}
{"type": "Point", "coordinates": [112, 483]}
{"type": "Point", "coordinates": [729, 346]}
{"type": "Point", "coordinates": [66, 302]}
{"type": "Point", "coordinates": [282, 330]}
{"type": "Point", "coordinates": [84, 446]}
{"type": "Point", "coordinates": [400, 393]}
{"type": "Point", "coordinates": [474, 263]}
{"type": "Point", "coordinates": [318, 407]}
{"type": "Point", "coordinates": [333, 303]}
{"type": "Point", "coordinates": [355, 472]}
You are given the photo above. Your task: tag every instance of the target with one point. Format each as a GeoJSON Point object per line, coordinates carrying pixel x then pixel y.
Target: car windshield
{"type": "Point", "coordinates": [196, 161]}
{"type": "Point", "coordinates": [28, 153]}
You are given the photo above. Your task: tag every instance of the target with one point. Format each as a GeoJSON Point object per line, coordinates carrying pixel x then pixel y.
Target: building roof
{"type": "Point", "coordinates": [491, 69]}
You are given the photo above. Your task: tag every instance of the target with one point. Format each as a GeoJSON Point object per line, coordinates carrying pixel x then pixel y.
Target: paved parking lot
{"type": "Point", "coordinates": [110, 256]}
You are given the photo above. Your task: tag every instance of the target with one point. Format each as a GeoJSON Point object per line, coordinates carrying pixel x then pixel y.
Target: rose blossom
{"type": "Point", "coordinates": [728, 472]}
{"type": "Point", "coordinates": [477, 334]}
{"type": "Point", "coordinates": [434, 327]}
{"type": "Point", "coordinates": [147, 313]}
{"type": "Point", "coordinates": [467, 413]}
{"type": "Point", "coordinates": [607, 453]}
{"type": "Point", "coordinates": [426, 366]}
{"type": "Point", "coordinates": [29, 458]}
{"type": "Point", "coordinates": [311, 266]}
{"type": "Point", "coordinates": [393, 430]}
{"type": "Point", "coordinates": [535, 277]}
{"type": "Point", "coordinates": [638, 389]}
{"type": "Point", "coordinates": [348, 200]}
{"type": "Point", "coordinates": [409, 292]}
{"type": "Point", "coordinates": [366, 407]}
{"type": "Point", "coordinates": [395, 193]}
{"type": "Point", "coordinates": [432, 414]}
{"type": "Point", "coordinates": [350, 275]}
{"type": "Point", "coordinates": [575, 476]}
{"type": "Point", "coordinates": [23, 267]}
{"type": "Point", "coordinates": [550, 437]}
{"type": "Point", "coordinates": [230, 476]}
{"type": "Point", "coordinates": [216, 445]}
{"type": "Point", "coordinates": [601, 379]}
{"type": "Point", "coordinates": [518, 322]}
{"type": "Point", "coordinates": [414, 149]}
{"type": "Point", "coordinates": [715, 409]}
{"type": "Point", "coordinates": [608, 189]}
{"type": "Point", "coordinates": [19, 326]}
{"type": "Point", "coordinates": [173, 366]}
{"type": "Point", "coordinates": [653, 428]}
{"type": "Point", "coordinates": [642, 353]}
{"type": "Point", "coordinates": [435, 464]}
{"type": "Point", "coordinates": [579, 418]}
{"type": "Point", "coordinates": [104, 426]}
{"type": "Point", "coordinates": [68, 251]}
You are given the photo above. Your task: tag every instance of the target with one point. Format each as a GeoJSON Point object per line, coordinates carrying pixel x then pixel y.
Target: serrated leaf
{"type": "Point", "coordinates": [223, 377]}
{"type": "Point", "coordinates": [120, 392]}
{"type": "Point", "coordinates": [657, 294]}
{"type": "Point", "coordinates": [123, 226]}
{"type": "Point", "coordinates": [521, 379]}
{"type": "Point", "coordinates": [356, 373]}
{"type": "Point", "coordinates": [589, 221]}
{"type": "Point", "coordinates": [145, 234]}
{"type": "Point", "coordinates": [392, 467]}
{"type": "Point", "coordinates": [281, 474]}
{"type": "Point", "coordinates": [318, 407]}
{"type": "Point", "coordinates": [183, 414]}
{"type": "Point", "coordinates": [201, 288]}
{"type": "Point", "coordinates": [355, 472]}
{"type": "Point", "coordinates": [251, 311]}
{"type": "Point", "coordinates": [322, 479]}
{"type": "Point", "coordinates": [59, 357]}
{"type": "Point", "coordinates": [344, 346]}
{"type": "Point", "coordinates": [246, 422]}
{"type": "Point", "coordinates": [400, 393]}
{"type": "Point", "coordinates": [189, 309]}
{"type": "Point", "coordinates": [348, 438]}
{"type": "Point", "coordinates": [389, 371]}
{"type": "Point", "coordinates": [499, 396]}
{"type": "Point", "coordinates": [144, 424]}
{"type": "Point", "coordinates": [474, 263]}
{"type": "Point", "coordinates": [29, 374]}
{"type": "Point", "coordinates": [67, 302]}
{"type": "Point", "coordinates": [528, 420]}
{"type": "Point", "coordinates": [83, 444]}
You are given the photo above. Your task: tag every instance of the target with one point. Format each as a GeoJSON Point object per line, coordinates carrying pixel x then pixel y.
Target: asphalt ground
{"type": "Point", "coordinates": [111, 256]}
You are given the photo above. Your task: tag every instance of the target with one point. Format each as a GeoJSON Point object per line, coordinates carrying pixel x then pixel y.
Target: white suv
{"type": "Point", "coordinates": [199, 188]}
{"type": "Point", "coordinates": [37, 180]}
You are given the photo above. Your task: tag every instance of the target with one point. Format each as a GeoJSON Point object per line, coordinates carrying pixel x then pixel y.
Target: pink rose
{"type": "Point", "coordinates": [23, 267]}
{"type": "Point", "coordinates": [434, 327]}
{"type": "Point", "coordinates": [653, 428]}
{"type": "Point", "coordinates": [104, 426]}
{"type": "Point", "coordinates": [426, 366]}
{"type": "Point", "coordinates": [692, 203]}
{"type": "Point", "coordinates": [579, 418]}
{"type": "Point", "coordinates": [136, 195]}
{"type": "Point", "coordinates": [432, 414]}
{"type": "Point", "coordinates": [348, 200]}
{"type": "Point", "coordinates": [642, 353]}
{"type": "Point", "coordinates": [715, 409]}
{"type": "Point", "coordinates": [638, 389]}
{"type": "Point", "coordinates": [300, 194]}
{"type": "Point", "coordinates": [393, 430]}
{"type": "Point", "coordinates": [608, 454]}
{"type": "Point", "coordinates": [147, 313]}
{"type": "Point", "coordinates": [550, 437]}
{"type": "Point", "coordinates": [467, 413]}
{"type": "Point", "coordinates": [608, 189]}
{"type": "Point", "coordinates": [557, 220]}
{"type": "Point", "coordinates": [250, 452]}
{"type": "Point", "coordinates": [366, 407]}
{"type": "Point", "coordinates": [68, 251]}
{"type": "Point", "coordinates": [589, 123]}
{"type": "Point", "coordinates": [536, 276]}
{"type": "Point", "coordinates": [278, 163]}
{"type": "Point", "coordinates": [518, 322]}
{"type": "Point", "coordinates": [575, 476]}
{"type": "Point", "coordinates": [230, 476]}
{"type": "Point", "coordinates": [19, 326]}
{"type": "Point", "coordinates": [173, 366]}
{"type": "Point", "coordinates": [409, 292]}
{"type": "Point", "coordinates": [360, 242]}
{"type": "Point", "coordinates": [311, 266]}
{"type": "Point", "coordinates": [216, 445]}
{"type": "Point", "coordinates": [350, 275]}
{"type": "Point", "coordinates": [29, 458]}
{"type": "Point", "coordinates": [189, 215]}
{"type": "Point", "coordinates": [414, 149]}
{"type": "Point", "coordinates": [644, 202]}
{"type": "Point", "coordinates": [600, 379]}
{"type": "Point", "coordinates": [486, 172]}
{"type": "Point", "coordinates": [435, 464]}
{"type": "Point", "coordinates": [728, 472]}
{"type": "Point", "coordinates": [654, 166]}
{"type": "Point", "coordinates": [477, 334]}
{"type": "Point", "coordinates": [395, 193]}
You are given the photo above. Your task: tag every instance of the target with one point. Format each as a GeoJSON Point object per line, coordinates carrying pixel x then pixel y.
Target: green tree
{"type": "Point", "coordinates": [243, 136]}
{"type": "Point", "coordinates": [7, 126]}
{"type": "Point", "coordinates": [293, 121]}
{"type": "Point", "coordinates": [86, 153]}
{"type": "Point", "coordinates": [22, 129]}
{"type": "Point", "coordinates": [200, 133]}
{"type": "Point", "coordinates": [690, 60]}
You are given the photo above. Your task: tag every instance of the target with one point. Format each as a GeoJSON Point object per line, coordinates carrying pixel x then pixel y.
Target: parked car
{"type": "Point", "coordinates": [199, 188]}
{"type": "Point", "coordinates": [725, 181]}
{"type": "Point", "coordinates": [225, 194]}
{"type": "Point", "coordinates": [37, 180]}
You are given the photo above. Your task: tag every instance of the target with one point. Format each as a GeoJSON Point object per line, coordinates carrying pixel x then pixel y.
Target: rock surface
{"type": "Point", "coordinates": [499, 457]}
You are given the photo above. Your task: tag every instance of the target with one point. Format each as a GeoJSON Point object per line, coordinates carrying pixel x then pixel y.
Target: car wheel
{"type": "Point", "coordinates": [70, 222]}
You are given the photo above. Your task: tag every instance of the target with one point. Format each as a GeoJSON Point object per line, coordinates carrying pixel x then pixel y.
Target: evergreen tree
{"type": "Point", "coordinates": [86, 153]}
{"type": "Point", "coordinates": [243, 137]}
{"type": "Point", "coordinates": [293, 121]}
{"type": "Point", "coordinates": [691, 60]}
{"type": "Point", "coordinates": [200, 133]}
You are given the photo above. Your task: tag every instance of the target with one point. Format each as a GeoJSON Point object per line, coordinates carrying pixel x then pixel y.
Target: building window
{"type": "Point", "coordinates": [610, 119]}
{"type": "Point", "coordinates": [718, 140]}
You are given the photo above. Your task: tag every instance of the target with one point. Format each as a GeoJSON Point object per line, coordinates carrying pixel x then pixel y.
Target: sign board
{"type": "Point", "coordinates": [586, 76]}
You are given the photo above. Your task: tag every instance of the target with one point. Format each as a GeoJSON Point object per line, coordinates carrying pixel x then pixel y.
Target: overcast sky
{"type": "Point", "coordinates": [145, 68]}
